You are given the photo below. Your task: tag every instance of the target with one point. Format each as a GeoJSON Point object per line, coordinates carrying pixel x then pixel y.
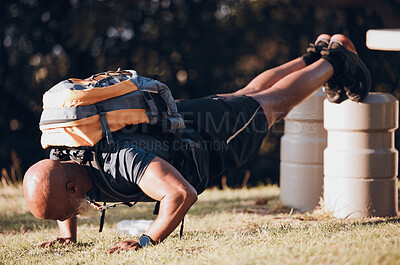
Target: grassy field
{"type": "Point", "coordinates": [246, 226]}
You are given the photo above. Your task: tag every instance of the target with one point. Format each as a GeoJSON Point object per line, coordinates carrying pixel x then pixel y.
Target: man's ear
{"type": "Point", "coordinates": [70, 187]}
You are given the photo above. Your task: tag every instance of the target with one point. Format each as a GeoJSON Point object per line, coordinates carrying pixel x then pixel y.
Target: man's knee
{"type": "Point", "coordinates": [275, 108]}
{"type": "Point", "coordinates": [275, 115]}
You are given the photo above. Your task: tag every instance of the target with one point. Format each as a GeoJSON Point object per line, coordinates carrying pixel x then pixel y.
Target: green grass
{"type": "Point", "coordinates": [224, 227]}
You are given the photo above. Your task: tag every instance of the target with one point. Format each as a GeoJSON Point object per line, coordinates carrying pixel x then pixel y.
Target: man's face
{"type": "Point", "coordinates": [62, 209]}
{"type": "Point", "coordinates": [80, 208]}
{"type": "Point", "coordinates": [84, 209]}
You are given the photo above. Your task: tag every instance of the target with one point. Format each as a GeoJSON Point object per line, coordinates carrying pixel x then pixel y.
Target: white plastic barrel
{"type": "Point", "coordinates": [302, 147]}
{"type": "Point", "coordinates": [361, 162]}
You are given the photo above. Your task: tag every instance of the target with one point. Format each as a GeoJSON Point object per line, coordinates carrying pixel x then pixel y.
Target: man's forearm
{"type": "Point", "coordinates": [68, 228]}
{"type": "Point", "coordinates": [162, 182]}
{"type": "Point", "coordinates": [172, 211]}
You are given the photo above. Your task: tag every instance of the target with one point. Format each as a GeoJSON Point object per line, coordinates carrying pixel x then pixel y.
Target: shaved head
{"type": "Point", "coordinates": [51, 189]}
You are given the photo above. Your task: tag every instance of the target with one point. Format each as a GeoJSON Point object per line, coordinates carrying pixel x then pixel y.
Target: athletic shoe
{"type": "Point", "coordinates": [314, 49]}
{"type": "Point", "coordinates": [350, 73]}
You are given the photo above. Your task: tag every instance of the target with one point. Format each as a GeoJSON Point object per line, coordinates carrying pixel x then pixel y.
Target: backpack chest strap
{"type": "Point", "coordinates": [105, 128]}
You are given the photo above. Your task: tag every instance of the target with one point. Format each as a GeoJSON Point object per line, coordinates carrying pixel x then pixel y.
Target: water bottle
{"type": "Point", "coordinates": [133, 227]}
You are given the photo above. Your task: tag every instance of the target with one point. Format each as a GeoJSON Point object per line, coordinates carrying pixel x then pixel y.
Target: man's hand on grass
{"type": "Point", "coordinates": [124, 245]}
{"type": "Point", "coordinates": [61, 240]}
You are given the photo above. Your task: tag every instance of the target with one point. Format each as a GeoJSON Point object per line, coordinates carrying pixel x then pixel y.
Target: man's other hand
{"type": "Point", "coordinates": [124, 245]}
{"type": "Point", "coordinates": [61, 240]}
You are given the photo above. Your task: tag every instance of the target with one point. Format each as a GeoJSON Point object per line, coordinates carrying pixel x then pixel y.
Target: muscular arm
{"type": "Point", "coordinates": [164, 183]}
{"type": "Point", "coordinates": [68, 230]}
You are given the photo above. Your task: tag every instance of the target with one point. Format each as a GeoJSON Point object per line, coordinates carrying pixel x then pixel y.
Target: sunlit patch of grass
{"type": "Point", "coordinates": [245, 226]}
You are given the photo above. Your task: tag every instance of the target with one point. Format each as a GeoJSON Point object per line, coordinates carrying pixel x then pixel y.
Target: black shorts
{"type": "Point", "coordinates": [233, 128]}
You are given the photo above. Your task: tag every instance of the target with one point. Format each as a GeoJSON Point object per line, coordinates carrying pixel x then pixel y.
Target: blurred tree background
{"type": "Point", "coordinates": [196, 47]}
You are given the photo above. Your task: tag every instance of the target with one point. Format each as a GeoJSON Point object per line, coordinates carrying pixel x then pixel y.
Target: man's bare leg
{"type": "Point", "coordinates": [340, 65]}
{"type": "Point", "coordinates": [291, 90]}
{"type": "Point", "coordinates": [269, 77]}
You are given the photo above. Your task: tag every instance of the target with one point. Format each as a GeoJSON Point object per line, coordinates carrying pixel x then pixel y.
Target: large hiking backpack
{"type": "Point", "coordinates": [79, 112]}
